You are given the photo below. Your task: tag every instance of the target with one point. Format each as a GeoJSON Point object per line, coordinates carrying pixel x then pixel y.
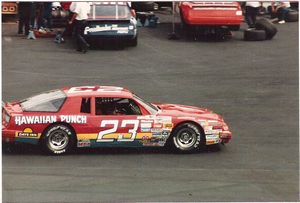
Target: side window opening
{"type": "Point", "coordinates": [116, 106]}
{"type": "Point", "coordinates": [85, 105]}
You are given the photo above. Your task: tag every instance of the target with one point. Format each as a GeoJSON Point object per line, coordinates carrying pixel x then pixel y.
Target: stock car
{"type": "Point", "coordinates": [106, 116]}
{"type": "Point", "coordinates": [208, 15]}
{"type": "Point", "coordinates": [111, 21]}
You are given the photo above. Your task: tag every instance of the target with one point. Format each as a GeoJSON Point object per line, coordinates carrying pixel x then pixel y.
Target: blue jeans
{"type": "Point", "coordinates": [281, 13]}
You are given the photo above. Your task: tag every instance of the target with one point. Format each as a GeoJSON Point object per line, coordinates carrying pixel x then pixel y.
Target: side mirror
{"type": "Point", "coordinates": [133, 13]}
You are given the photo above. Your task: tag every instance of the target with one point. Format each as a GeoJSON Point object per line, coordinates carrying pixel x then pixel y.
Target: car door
{"type": "Point", "coordinates": [116, 122]}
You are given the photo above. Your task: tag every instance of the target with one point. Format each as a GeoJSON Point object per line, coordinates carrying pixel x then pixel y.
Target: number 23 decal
{"type": "Point", "coordinates": [115, 124]}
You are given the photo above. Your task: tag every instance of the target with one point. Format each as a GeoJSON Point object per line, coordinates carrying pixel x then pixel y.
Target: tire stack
{"type": "Point", "coordinates": [264, 30]}
{"type": "Point", "coordinates": [292, 16]}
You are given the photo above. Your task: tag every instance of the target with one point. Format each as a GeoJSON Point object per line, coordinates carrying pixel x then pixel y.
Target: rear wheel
{"type": "Point", "coordinates": [187, 137]}
{"type": "Point", "coordinates": [58, 139]}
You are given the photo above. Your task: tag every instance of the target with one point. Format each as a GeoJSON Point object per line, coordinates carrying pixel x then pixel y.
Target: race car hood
{"type": "Point", "coordinates": [187, 111]}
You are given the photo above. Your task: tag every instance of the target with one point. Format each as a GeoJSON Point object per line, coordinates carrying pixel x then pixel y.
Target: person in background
{"type": "Point", "coordinates": [69, 27]}
{"type": "Point", "coordinates": [251, 11]}
{"type": "Point", "coordinates": [24, 10]}
{"type": "Point", "coordinates": [46, 23]}
{"type": "Point", "coordinates": [282, 10]}
{"type": "Point", "coordinates": [279, 10]}
{"type": "Point", "coordinates": [33, 15]}
{"type": "Point", "coordinates": [39, 14]}
{"type": "Point", "coordinates": [81, 11]}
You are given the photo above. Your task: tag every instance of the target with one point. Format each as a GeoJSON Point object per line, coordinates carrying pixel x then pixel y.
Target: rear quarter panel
{"type": "Point", "coordinates": [210, 15]}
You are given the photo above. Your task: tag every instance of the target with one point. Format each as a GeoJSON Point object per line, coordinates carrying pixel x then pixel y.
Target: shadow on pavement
{"type": "Point", "coordinates": [26, 149]}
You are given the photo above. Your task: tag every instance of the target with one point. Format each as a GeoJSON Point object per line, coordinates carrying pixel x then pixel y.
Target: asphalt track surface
{"type": "Point", "coordinates": [254, 85]}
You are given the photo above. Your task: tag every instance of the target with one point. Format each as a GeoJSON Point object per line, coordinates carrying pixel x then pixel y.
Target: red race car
{"type": "Point", "coordinates": [105, 116]}
{"type": "Point", "coordinates": [211, 14]}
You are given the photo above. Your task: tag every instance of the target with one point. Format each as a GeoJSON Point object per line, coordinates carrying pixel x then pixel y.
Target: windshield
{"type": "Point", "coordinates": [109, 11]}
{"type": "Point", "coordinates": [46, 102]}
{"type": "Point", "coordinates": [148, 106]}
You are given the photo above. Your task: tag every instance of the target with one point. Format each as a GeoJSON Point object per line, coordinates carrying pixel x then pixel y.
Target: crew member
{"type": "Point", "coordinates": [24, 10]}
{"type": "Point", "coordinates": [252, 8]}
{"type": "Point", "coordinates": [81, 11]}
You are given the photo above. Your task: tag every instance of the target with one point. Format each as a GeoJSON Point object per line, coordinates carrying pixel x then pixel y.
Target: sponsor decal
{"type": "Point", "coordinates": [157, 119]}
{"type": "Point", "coordinates": [146, 125]}
{"type": "Point", "coordinates": [153, 141]}
{"type": "Point", "coordinates": [106, 28]}
{"type": "Point", "coordinates": [155, 130]}
{"type": "Point", "coordinates": [73, 119]}
{"type": "Point", "coordinates": [145, 130]}
{"type": "Point", "coordinates": [146, 121]}
{"type": "Point", "coordinates": [156, 134]}
{"type": "Point", "coordinates": [209, 132]}
{"type": "Point", "coordinates": [83, 143]}
{"type": "Point", "coordinates": [168, 125]}
{"type": "Point", "coordinates": [27, 132]}
{"type": "Point", "coordinates": [21, 120]}
{"type": "Point", "coordinates": [102, 135]}
{"type": "Point", "coordinates": [212, 139]}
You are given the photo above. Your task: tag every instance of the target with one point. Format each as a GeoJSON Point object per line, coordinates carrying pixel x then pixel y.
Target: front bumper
{"type": "Point", "coordinates": [225, 136]}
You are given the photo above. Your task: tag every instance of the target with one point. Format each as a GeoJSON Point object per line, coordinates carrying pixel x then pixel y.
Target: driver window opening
{"type": "Point", "coordinates": [116, 106]}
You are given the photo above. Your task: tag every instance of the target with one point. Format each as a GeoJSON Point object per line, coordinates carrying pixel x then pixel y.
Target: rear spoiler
{"type": "Point", "coordinates": [6, 107]}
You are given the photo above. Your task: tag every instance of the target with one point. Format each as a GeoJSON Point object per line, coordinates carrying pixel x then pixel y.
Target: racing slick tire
{"type": "Point", "coordinates": [292, 16]}
{"type": "Point", "coordinates": [58, 139]}
{"type": "Point", "coordinates": [268, 26]}
{"type": "Point", "coordinates": [187, 138]}
{"type": "Point", "coordinates": [254, 35]}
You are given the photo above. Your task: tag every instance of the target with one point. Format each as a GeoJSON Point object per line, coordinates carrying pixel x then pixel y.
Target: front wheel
{"type": "Point", "coordinates": [187, 137]}
{"type": "Point", "coordinates": [58, 139]}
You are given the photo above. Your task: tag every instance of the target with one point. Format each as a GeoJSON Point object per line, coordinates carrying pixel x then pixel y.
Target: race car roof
{"type": "Point", "coordinates": [97, 91]}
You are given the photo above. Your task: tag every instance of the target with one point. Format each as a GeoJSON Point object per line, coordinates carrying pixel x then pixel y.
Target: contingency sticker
{"type": "Point", "coordinates": [83, 143]}
{"type": "Point", "coordinates": [212, 139]}
{"type": "Point", "coordinates": [27, 132]}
